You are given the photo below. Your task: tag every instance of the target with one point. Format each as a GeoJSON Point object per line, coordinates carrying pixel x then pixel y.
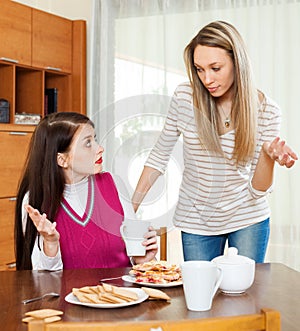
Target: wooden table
{"type": "Point", "coordinates": [275, 286]}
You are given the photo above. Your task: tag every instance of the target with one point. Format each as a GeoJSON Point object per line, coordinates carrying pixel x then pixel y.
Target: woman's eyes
{"type": "Point", "coordinates": [201, 70]}
{"type": "Point", "coordinates": [88, 143]}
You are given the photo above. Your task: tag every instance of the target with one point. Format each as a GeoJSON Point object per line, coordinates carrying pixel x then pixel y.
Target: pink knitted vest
{"type": "Point", "coordinates": [93, 240]}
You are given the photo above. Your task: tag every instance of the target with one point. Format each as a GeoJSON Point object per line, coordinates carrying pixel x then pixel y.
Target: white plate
{"type": "Point", "coordinates": [131, 279]}
{"type": "Point", "coordinates": [142, 296]}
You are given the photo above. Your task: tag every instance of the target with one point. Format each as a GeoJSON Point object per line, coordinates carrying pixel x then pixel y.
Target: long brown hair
{"type": "Point", "coordinates": [43, 179]}
{"type": "Point", "coordinates": [245, 101]}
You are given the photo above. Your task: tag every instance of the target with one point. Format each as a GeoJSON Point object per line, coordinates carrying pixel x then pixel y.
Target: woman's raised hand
{"type": "Point", "coordinates": [280, 152]}
{"type": "Point", "coordinates": [46, 228]}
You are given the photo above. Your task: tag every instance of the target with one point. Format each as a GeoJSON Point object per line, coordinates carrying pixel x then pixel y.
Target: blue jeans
{"type": "Point", "coordinates": [251, 241]}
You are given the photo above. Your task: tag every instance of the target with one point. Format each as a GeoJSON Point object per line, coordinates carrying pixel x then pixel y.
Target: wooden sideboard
{"type": "Point", "coordinates": [39, 51]}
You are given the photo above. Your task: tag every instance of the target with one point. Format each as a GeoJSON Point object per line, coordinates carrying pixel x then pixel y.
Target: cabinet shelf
{"type": "Point", "coordinates": [29, 91]}
{"type": "Point", "coordinates": [24, 88]}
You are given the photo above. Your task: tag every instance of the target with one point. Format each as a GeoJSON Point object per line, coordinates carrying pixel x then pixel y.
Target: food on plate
{"type": "Point", "coordinates": [104, 294]}
{"type": "Point", "coordinates": [157, 272]}
{"type": "Point", "coordinates": [155, 294]}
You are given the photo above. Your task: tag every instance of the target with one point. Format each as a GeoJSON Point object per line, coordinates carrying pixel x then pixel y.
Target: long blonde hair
{"type": "Point", "coordinates": [245, 101]}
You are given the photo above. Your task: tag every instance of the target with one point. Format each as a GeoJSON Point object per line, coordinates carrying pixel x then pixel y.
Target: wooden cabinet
{"type": "Point", "coordinates": [15, 32]}
{"type": "Point", "coordinates": [51, 41]}
{"type": "Point", "coordinates": [38, 51]}
{"type": "Point", "coordinates": [13, 146]}
{"type": "Point", "coordinates": [54, 58]}
{"type": "Point", "coordinates": [7, 255]}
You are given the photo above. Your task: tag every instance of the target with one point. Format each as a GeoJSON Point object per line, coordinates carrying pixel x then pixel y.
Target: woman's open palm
{"type": "Point", "coordinates": [46, 228]}
{"type": "Point", "coordinates": [280, 152]}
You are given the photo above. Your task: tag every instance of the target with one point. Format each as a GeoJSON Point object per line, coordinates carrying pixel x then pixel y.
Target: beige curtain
{"type": "Point", "coordinates": [136, 63]}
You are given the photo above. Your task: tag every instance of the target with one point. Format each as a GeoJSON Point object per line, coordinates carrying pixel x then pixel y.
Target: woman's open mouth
{"type": "Point", "coordinates": [99, 161]}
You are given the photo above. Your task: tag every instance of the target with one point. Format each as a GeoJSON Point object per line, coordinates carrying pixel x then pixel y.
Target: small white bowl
{"type": "Point", "coordinates": [238, 271]}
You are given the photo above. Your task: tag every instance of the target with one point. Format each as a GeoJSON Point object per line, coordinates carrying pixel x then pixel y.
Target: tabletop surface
{"type": "Point", "coordinates": [275, 286]}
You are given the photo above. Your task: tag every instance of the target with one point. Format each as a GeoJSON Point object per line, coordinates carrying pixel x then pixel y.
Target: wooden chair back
{"type": "Point", "coordinates": [266, 320]}
{"type": "Point", "coordinates": [162, 234]}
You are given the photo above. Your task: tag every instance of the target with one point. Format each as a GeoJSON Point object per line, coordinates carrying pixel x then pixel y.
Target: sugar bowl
{"type": "Point", "coordinates": [238, 271]}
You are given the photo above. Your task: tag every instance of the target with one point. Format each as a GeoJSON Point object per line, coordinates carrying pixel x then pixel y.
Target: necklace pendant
{"type": "Point", "coordinates": [227, 123]}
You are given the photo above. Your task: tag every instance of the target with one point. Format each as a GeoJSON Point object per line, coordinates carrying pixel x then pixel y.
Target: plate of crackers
{"type": "Point", "coordinates": [155, 274]}
{"type": "Point", "coordinates": [106, 296]}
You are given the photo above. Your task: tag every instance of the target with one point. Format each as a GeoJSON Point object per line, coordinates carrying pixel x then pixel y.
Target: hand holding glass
{"type": "Point", "coordinates": [133, 234]}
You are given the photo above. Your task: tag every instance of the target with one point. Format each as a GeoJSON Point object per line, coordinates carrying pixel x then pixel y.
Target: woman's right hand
{"type": "Point", "coordinates": [46, 228]}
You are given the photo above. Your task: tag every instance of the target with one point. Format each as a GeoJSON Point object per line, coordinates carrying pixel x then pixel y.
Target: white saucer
{"type": "Point", "coordinates": [233, 292]}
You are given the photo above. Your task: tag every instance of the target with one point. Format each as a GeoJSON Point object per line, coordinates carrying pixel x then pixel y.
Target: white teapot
{"type": "Point", "coordinates": [238, 271]}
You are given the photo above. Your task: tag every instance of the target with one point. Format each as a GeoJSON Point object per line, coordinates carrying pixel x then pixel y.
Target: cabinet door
{"type": "Point", "coordinates": [15, 32]}
{"type": "Point", "coordinates": [13, 147]}
{"type": "Point", "coordinates": [7, 212]}
{"type": "Point", "coordinates": [7, 86]}
{"type": "Point", "coordinates": [51, 41]}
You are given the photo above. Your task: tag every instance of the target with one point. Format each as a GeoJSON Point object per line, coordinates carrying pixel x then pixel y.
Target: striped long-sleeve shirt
{"type": "Point", "coordinates": [216, 195]}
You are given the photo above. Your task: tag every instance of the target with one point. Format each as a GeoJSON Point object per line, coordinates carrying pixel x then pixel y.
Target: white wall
{"type": "Point", "coordinates": [73, 9]}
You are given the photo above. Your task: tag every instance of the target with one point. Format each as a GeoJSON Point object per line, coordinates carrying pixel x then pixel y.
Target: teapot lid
{"type": "Point", "coordinates": [232, 257]}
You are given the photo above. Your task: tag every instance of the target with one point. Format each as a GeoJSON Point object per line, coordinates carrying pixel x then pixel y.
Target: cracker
{"type": "Point", "coordinates": [124, 294]}
{"type": "Point", "coordinates": [100, 289]}
{"type": "Point", "coordinates": [107, 287]}
{"type": "Point", "coordinates": [52, 319]}
{"type": "Point", "coordinates": [104, 293]}
{"type": "Point", "coordinates": [87, 289]}
{"type": "Point", "coordinates": [46, 320]}
{"type": "Point", "coordinates": [87, 297]}
{"type": "Point", "coordinates": [113, 298]}
{"type": "Point", "coordinates": [28, 319]}
{"type": "Point", "coordinates": [43, 313]}
{"type": "Point", "coordinates": [155, 294]}
{"type": "Point", "coordinates": [92, 298]}
{"type": "Point", "coordinates": [81, 296]}
{"type": "Point", "coordinates": [94, 289]}
{"type": "Point", "coordinates": [106, 299]}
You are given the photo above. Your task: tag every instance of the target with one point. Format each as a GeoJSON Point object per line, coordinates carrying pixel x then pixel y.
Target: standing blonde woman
{"type": "Point", "coordinates": [230, 145]}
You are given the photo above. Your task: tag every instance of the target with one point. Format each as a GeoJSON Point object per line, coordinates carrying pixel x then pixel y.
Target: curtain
{"type": "Point", "coordinates": [136, 63]}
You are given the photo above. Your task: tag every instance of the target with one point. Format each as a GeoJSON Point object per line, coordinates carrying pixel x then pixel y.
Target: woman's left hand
{"type": "Point", "coordinates": [151, 247]}
{"type": "Point", "coordinates": [280, 152]}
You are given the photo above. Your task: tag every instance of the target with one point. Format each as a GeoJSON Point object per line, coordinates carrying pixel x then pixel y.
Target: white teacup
{"type": "Point", "coordinates": [201, 280]}
{"type": "Point", "coordinates": [133, 234]}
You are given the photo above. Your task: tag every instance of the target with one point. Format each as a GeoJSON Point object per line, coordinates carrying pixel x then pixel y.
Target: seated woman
{"type": "Point", "coordinates": [68, 211]}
